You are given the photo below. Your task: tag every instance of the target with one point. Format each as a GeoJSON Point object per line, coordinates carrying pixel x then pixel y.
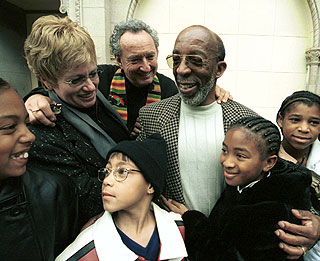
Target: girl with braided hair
{"type": "Point", "coordinates": [299, 121]}
{"type": "Point", "coordinates": [261, 190]}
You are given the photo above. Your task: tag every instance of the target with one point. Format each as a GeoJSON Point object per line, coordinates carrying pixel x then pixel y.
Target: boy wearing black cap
{"type": "Point", "coordinates": [132, 227]}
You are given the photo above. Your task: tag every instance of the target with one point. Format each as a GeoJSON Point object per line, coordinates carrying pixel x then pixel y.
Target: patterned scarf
{"type": "Point", "coordinates": [117, 95]}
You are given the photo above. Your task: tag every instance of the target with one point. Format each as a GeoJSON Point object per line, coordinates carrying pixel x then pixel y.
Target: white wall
{"type": "Point", "coordinates": [99, 18]}
{"type": "Point", "coordinates": [95, 20]}
{"type": "Point", "coordinates": [265, 43]}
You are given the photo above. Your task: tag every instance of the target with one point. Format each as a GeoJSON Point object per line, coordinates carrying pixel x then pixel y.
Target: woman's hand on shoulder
{"type": "Point", "coordinates": [38, 108]}
{"type": "Point", "coordinates": [136, 130]}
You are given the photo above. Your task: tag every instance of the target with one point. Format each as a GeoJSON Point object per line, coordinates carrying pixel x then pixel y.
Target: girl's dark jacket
{"type": "Point", "coordinates": [241, 225]}
{"type": "Point", "coordinates": [38, 216]}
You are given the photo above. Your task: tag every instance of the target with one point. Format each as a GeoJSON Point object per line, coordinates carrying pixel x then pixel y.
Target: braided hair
{"type": "Point", "coordinates": [304, 97]}
{"type": "Point", "coordinates": [263, 132]}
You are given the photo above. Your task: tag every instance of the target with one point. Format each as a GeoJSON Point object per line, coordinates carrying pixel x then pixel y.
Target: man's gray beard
{"type": "Point", "coordinates": [201, 94]}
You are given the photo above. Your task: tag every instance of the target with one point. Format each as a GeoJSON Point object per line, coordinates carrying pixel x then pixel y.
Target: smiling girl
{"type": "Point", "coordinates": [15, 138]}
{"type": "Point", "coordinates": [38, 210]}
{"type": "Point", "coordinates": [261, 190]}
{"type": "Point", "coordinates": [299, 120]}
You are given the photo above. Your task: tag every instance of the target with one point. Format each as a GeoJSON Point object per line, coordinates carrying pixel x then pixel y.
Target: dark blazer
{"type": "Point", "coordinates": [163, 117]}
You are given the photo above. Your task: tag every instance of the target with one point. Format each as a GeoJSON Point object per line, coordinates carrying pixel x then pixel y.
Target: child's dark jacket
{"type": "Point", "coordinates": [241, 225]}
{"type": "Point", "coordinates": [38, 216]}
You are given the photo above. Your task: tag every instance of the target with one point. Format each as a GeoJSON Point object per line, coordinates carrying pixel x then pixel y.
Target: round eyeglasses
{"type": "Point", "coordinates": [119, 174]}
{"type": "Point", "coordinates": [80, 80]}
{"type": "Point", "coordinates": [192, 60]}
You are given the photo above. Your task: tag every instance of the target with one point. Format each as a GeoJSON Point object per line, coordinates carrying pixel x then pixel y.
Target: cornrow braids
{"type": "Point", "coordinates": [304, 97]}
{"type": "Point", "coordinates": [268, 137]}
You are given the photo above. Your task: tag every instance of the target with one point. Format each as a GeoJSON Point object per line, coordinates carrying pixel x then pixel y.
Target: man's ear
{"type": "Point", "coordinates": [118, 59]}
{"type": "Point", "coordinates": [150, 190]}
{"type": "Point", "coordinates": [280, 120]}
{"type": "Point", "coordinates": [270, 162]}
{"type": "Point", "coordinates": [222, 66]}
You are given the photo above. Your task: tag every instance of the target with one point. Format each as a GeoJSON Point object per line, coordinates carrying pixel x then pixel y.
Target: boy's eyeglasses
{"type": "Point", "coordinates": [192, 60]}
{"type": "Point", "coordinates": [78, 81]}
{"type": "Point", "coordinates": [120, 174]}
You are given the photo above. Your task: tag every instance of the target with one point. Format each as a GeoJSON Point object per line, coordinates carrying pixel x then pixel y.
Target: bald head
{"type": "Point", "coordinates": [198, 28]}
{"type": "Point", "coordinates": [204, 36]}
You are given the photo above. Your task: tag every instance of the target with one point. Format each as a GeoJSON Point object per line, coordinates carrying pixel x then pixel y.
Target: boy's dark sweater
{"type": "Point", "coordinates": [241, 225]}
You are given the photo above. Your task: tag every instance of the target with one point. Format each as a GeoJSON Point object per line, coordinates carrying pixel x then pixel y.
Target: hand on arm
{"type": "Point", "coordinates": [136, 130]}
{"type": "Point", "coordinates": [174, 206]}
{"type": "Point", "coordinates": [222, 95]}
{"type": "Point", "coordinates": [38, 107]}
{"type": "Point", "coordinates": [299, 238]}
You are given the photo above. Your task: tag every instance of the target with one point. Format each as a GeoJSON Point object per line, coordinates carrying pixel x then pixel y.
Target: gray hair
{"type": "Point", "coordinates": [134, 26]}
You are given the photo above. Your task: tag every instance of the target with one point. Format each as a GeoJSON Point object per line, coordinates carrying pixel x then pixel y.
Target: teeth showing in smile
{"type": "Point", "coordinates": [21, 156]}
{"type": "Point", "coordinates": [186, 86]}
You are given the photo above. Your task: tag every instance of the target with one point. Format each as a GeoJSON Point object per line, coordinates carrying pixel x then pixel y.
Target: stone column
{"type": "Point", "coordinates": [73, 8]}
{"type": "Point", "coordinates": [313, 67]}
{"type": "Point", "coordinates": [132, 7]}
{"type": "Point", "coordinates": [313, 54]}
{"type": "Point", "coordinates": [92, 15]}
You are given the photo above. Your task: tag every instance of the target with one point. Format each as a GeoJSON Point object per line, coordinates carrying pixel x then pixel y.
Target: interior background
{"type": "Point", "coordinates": [265, 40]}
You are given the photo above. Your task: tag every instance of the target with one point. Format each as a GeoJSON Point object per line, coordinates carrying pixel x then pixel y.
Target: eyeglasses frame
{"type": "Point", "coordinates": [107, 173]}
{"type": "Point", "coordinates": [84, 78]}
{"type": "Point", "coordinates": [204, 60]}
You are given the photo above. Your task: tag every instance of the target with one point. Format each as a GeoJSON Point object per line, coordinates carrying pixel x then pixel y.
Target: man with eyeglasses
{"type": "Point", "coordinates": [131, 84]}
{"type": "Point", "coordinates": [192, 122]}
{"type": "Point", "coordinates": [194, 125]}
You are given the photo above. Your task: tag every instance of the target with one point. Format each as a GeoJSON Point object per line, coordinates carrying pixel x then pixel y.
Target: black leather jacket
{"type": "Point", "coordinates": [38, 216]}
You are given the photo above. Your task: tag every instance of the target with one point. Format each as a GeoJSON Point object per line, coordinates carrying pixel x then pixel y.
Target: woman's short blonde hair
{"type": "Point", "coordinates": [56, 45]}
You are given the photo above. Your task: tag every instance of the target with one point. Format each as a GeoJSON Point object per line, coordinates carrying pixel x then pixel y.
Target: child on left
{"type": "Point", "coordinates": [38, 211]}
